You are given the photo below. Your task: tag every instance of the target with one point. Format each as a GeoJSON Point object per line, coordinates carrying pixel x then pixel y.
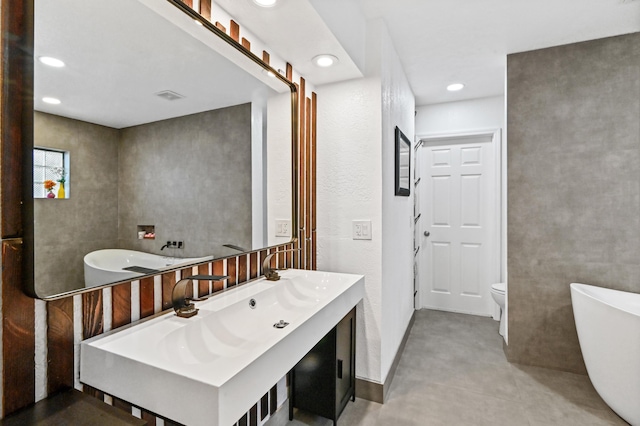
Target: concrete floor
{"type": "Point", "coordinates": [453, 372]}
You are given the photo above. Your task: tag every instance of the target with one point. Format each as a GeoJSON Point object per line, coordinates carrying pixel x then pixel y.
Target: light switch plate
{"type": "Point", "coordinates": [283, 228]}
{"type": "Point", "coordinates": [361, 229]}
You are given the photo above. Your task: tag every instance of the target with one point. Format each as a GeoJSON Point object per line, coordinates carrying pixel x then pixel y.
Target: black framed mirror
{"type": "Point", "coordinates": [402, 164]}
{"type": "Point", "coordinates": [166, 131]}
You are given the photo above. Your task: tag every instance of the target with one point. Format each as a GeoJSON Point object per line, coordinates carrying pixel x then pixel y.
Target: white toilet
{"type": "Point", "coordinates": [498, 292]}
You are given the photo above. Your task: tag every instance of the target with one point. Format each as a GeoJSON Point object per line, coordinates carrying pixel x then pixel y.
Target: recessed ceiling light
{"type": "Point", "coordinates": [455, 87]}
{"type": "Point", "coordinates": [198, 22]}
{"type": "Point", "coordinates": [52, 62]}
{"type": "Point", "coordinates": [265, 3]}
{"type": "Point", "coordinates": [325, 60]}
{"type": "Point", "coordinates": [52, 101]}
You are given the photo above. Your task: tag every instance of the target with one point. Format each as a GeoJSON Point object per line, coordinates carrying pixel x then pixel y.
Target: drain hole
{"type": "Point", "coordinates": [252, 303]}
{"type": "Point", "coordinates": [281, 324]}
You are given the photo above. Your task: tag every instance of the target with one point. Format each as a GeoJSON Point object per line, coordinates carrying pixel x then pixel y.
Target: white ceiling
{"type": "Point", "coordinates": [444, 41]}
{"type": "Point", "coordinates": [438, 41]}
{"type": "Point", "coordinates": [296, 33]}
{"type": "Point", "coordinates": [120, 53]}
{"type": "Point", "coordinates": [441, 41]}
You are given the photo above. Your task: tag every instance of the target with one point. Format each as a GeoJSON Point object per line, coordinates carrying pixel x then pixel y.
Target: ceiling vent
{"type": "Point", "coordinates": [169, 95]}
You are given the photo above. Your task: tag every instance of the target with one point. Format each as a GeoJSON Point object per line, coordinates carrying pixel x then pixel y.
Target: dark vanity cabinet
{"type": "Point", "coordinates": [324, 380]}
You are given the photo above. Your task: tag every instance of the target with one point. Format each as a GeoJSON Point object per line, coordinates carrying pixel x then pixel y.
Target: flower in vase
{"type": "Point", "coordinates": [49, 185]}
{"type": "Point", "coordinates": [59, 171]}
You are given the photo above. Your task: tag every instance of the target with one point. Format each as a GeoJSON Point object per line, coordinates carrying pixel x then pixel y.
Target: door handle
{"type": "Point", "coordinates": [427, 233]}
{"type": "Point", "coordinates": [339, 369]}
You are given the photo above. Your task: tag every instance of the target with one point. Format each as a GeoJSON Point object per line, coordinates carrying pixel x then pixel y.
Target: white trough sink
{"type": "Point", "coordinates": [212, 368]}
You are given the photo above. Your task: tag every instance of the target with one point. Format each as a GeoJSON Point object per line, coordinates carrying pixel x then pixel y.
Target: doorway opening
{"type": "Point", "coordinates": [461, 206]}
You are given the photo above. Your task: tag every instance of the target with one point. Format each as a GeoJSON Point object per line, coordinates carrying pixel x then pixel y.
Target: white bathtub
{"type": "Point", "coordinates": [106, 266]}
{"type": "Point", "coordinates": [608, 324]}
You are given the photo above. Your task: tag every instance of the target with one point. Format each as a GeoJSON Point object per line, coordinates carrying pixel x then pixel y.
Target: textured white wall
{"type": "Point", "coordinates": [450, 117]}
{"type": "Point", "coordinates": [278, 181]}
{"type": "Point", "coordinates": [356, 122]}
{"type": "Point", "coordinates": [349, 182]}
{"type": "Point", "coordinates": [398, 105]}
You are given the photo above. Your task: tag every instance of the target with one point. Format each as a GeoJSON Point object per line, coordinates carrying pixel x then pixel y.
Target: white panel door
{"type": "Point", "coordinates": [459, 222]}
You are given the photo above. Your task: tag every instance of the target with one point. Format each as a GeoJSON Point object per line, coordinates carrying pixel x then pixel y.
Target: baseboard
{"type": "Point", "coordinates": [378, 392]}
{"type": "Point", "coordinates": [371, 391]}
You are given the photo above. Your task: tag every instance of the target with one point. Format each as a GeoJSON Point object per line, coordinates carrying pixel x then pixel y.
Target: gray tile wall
{"type": "Point", "coordinates": [191, 178]}
{"type": "Point", "coordinates": [67, 229]}
{"type": "Point", "coordinates": [573, 188]}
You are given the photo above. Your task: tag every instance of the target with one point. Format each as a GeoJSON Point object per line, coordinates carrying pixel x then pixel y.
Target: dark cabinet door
{"type": "Point", "coordinates": [324, 380]}
{"type": "Point", "coordinates": [345, 361]}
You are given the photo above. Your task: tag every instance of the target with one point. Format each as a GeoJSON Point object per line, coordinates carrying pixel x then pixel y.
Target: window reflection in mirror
{"type": "Point", "coordinates": [162, 131]}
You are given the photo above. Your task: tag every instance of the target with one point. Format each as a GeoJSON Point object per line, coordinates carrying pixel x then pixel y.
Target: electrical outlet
{"type": "Point", "coordinates": [283, 228]}
{"type": "Point", "coordinates": [361, 229]}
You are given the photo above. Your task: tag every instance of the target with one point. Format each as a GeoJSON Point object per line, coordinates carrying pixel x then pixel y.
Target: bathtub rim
{"type": "Point", "coordinates": [188, 260]}
{"type": "Point", "coordinates": [587, 289]}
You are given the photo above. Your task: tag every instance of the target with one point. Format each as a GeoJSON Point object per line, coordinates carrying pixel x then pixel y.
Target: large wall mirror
{"type": "Point", "coordinates": [164, 132]}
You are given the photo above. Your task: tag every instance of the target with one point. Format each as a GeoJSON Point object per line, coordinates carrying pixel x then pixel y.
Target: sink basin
{"type": "Point", "coordinates": [212, 368]}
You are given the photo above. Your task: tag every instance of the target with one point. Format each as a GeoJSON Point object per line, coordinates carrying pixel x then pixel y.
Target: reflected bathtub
{"type": "Point", "coordinates": [608, 324]}
{"type": "Point", "coordinates": [107, 265]}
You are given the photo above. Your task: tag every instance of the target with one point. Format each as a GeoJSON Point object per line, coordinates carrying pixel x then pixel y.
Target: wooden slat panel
{"type": "Point", "coordinates": [188, 2]}
{"type": "Point", "coordinates": [205, 9]}
{"type": "Point", "coordinates": [281, 258]}
{"type": "Point", "coordinates": [149, 418]}
{"type": "Point", "coordinates": [93, 392]}
{"type": "Point", "coordinates": [289, 256]}
{"type": "Point", "coordinates": [18, 336]}
{"type": "Point", "coordinates": [92, 315]}
{"type": "Point", "coordinates": [314, 248]}
{"type": "Point", "coordinates": [264, 406]}
{"type": "Point", "coordinates": [301, 172]}
{"type": "Point", "coordinates": [203, 286]}
{"type": "Point", "coordinates": [121, 302]}
{"type": "Point", "coordinates": [59, 345]}
{"type": "Point", "coordinates": [253, 265]}
{"type": "Point", "coordinates": [273, 262]}
{"type": "Point", "coordinates": [242, 268]}
{"type": "Point", "coordinates": [185, 273]}
{"type": "Point", "coordinates": [246, 44]}
{"type": "Point", "coordinates": [273, 399]}
{"type": "Point", "coordinates": [146, 297]}
{"type": "Point", "coordinates": [218, 269]}
{"type": "Point", "coordinates": [313, 210]}
{"type": "Point", "coordinates": [168, 282]}
{"type": "Point", "coordinates": [234, 30]}
{"type": "Point", "coordinates": [289, 75]}
{"type": "Point", "coordinates": [307, 181]}
{"type": "Point", "coordinates": [263, 255]}
{"type": "Point", "coordinates": [122, 405]}
{"type": "Point", "coordinates": [243, 421]}
{"type": "Point", "coordinates": [253, 416]}
{"type": "Point", "coordinates": [300, 218]}
{"type": "Point", "coordinates": [265, 56]}
{"type": "Point", "coordinates": [221, 27]}
{"type": "Point", "coordinates": [231, 271]}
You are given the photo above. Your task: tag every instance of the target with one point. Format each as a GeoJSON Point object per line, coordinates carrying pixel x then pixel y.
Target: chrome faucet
{"type": "Point", "coordinates": [270, 273]}
{"type": "Point", "coordinates": [181, 303]}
